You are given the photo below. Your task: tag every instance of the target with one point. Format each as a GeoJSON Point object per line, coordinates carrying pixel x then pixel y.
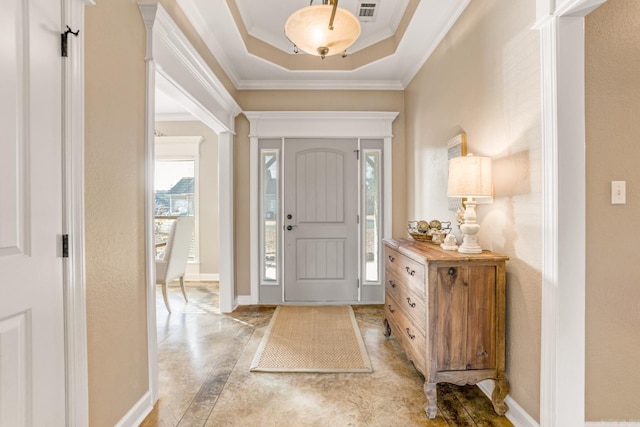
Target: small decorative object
{"type": "Point", "coordinates": [432, 231]}
{"type": "Point", "coordinates": [460, 217]}
{"type": "Point", "coordinates": [422, 226]}
{"type": "Point", "coordinates": [437, 237]}
{"type": "Point", "coordinates": [450, 243]}
{"type": "Point", "coordinates": [434, 224]}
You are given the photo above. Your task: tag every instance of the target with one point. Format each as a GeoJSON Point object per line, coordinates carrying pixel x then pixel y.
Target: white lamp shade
{"type": "Point", "coordinates": [470, 176]}
{"type": "Point", "coordinates": [308, 28]}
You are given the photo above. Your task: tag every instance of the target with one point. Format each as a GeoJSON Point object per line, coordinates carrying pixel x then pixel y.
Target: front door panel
{"type": "Point", "coordinates": [321, 208]}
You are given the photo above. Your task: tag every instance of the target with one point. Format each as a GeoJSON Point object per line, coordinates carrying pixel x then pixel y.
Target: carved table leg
{"type": "Point", "coordinates": [499, 393]}
{"type": "Point", "coordinates": [387, 329]}
{"type": "Point", "coordinates": [432, 399]}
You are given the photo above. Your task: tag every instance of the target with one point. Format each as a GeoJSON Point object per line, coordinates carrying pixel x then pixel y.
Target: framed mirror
{"type": "Point", "coordinates": [456, 146]}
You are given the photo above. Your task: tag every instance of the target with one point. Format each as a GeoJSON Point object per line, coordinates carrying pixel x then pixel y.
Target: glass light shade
{"type": "Point", "coordinates": [308, 28]}
{"type": "Point", "coordinates": [470, 176]}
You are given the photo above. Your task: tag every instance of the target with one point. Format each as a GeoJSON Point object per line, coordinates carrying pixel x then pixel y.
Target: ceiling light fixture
{"type": "Point", "coordinates": [323, 29]}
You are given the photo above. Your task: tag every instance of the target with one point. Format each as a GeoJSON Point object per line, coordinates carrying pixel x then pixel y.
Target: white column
{"type": "Point", "coordinates": [562, 371]}
{"type": "Point", "coordinates": [563, 291]}
{"type": "Point", "coordinates": [254, 224]}
{"type": "Point", "coordinates": [148, 12]}
{"type": "Point", "coordinates": [387, 190]}
{"type": "Point", "coordinates": [226, 260]}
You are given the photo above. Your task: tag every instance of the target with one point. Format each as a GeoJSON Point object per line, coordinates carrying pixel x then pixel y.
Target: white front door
{"type": "Point", "coordinates": [320, 220]}
{"type": "Point", "coordinates": [32, 361]}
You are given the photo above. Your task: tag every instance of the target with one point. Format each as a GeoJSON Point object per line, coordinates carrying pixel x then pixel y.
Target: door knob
{"type": "Point", "coordinates": [291, 227]}
{"type": "Point", "coordinates": [289, 216]}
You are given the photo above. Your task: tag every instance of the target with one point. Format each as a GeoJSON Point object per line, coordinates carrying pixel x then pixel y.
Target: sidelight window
{"type": "Point", "coordinates": [372, 210]}
{"type": "Point", "coordinates": [269, 209]}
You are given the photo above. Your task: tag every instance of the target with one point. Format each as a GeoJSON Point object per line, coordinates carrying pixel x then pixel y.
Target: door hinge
{"type": "Point", "coordinates": [65, 246]}
{"type": "Point", "coordinates": [357, 219]}
{"type": "Point", "coordinates": [358, 282]}
{"type": "Point", "coordinates": [357, 154]}
{"type": "Point", "coordinates": [63, 40]}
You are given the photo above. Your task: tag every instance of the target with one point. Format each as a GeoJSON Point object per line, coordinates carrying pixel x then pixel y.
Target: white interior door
{"type": "Point", "coordinates": [320, 220]}
{"type": "Point", "coordinates": [32, 364]}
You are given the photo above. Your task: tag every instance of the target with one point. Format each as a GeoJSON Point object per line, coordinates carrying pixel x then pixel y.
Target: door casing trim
{"type": "Point", "coordinates": [74, 280]}
{"type": "Point", "coordinates": [562, 366]}
{"type": "Point", "coordinates": [182, 70]}
{"type": "Point", "coordinates": [312, 124]}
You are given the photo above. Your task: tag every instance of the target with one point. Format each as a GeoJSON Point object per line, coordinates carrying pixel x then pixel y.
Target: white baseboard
{"type": "Point", "coordinates": [612, 424]}
{"type": "Point", "coordinates": [518, 416]}
{"type": "Point", "coordinates": [137, 413]}
{"type": "Point", "coordinates": [244, 300]}
{"type": "Point", "coordinates": [204, 277]}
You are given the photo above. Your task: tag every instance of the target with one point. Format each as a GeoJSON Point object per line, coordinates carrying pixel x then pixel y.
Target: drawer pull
{"type": "Point", "coordinates": [411, 272]}
{"type": "Point", "coordinates": [452, 271]}
{"type": "Point", "coordinates": [411, 337]}
{"type": "Point", "coordinates": [391, 309]}
{"type": "Point", "coordinates": [392, 283]}
{"type": "Point", "coordinates": [391, 259]}
{"type": "Point", "coordinates": [411, 304]}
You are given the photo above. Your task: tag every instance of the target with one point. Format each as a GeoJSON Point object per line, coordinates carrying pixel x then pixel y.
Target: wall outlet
{"type": "Point", "coordinates": [618, 192]}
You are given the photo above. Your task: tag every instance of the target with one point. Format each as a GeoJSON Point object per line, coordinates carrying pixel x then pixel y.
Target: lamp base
{"type": "Point", "coordinates": [470, 249]}
{"type": "Point", "coordinates": [470, 230]}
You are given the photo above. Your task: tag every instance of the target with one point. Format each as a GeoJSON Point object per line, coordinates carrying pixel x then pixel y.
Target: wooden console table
{"type": "Point", "coordinates": [447, 311]}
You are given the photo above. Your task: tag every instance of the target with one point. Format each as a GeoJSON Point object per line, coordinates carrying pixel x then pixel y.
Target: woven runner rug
{"type": "Point", "coordinates": [312, 339]}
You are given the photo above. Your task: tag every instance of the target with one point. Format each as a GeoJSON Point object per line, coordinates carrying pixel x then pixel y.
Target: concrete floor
{"type": "Point", "coordinates": [204, 359]}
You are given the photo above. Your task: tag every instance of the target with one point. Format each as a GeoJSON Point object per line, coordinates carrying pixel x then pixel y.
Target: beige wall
{"type": "Point", "coordinates": [484, 79]}
{"type": "Point", "coordinates": [320, 100]}
{"type": "Point", "coordinates": [114, 183]}
{"type": "Point", "coordinates": [208, 191]}
{"type": "Point", "coordinates": [613, 271]}
{"type": "Point", "coordinates": [114, 180]}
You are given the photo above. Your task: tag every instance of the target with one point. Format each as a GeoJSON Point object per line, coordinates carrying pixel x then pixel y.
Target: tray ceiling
{"type": "Point", "coordinates": [247, 38]}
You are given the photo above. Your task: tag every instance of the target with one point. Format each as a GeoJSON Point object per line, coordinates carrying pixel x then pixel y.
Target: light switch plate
{"type": "Point", "coordinates": [618, 192]}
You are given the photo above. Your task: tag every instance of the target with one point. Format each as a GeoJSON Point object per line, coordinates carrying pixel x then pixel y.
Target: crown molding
{"type": "Point", "coordinates": [319, 85]}
{"type": "Point", "coordinates": [181, 65]}
{"type": "Point", "coordinates": [395, 71]}
{"type": "Point", "coordinates": [199, 22]}
{"type": "Point", "coordinates": [414, 67]}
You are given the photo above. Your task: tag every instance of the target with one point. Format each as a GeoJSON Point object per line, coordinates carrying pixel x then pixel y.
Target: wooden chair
{"type": "Point", "coordinates": [173, 263]}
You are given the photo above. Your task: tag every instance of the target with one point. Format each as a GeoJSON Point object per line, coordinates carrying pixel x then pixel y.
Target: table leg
{"type": "Point", "coordinates": [431, 407]}
{"type": "Point", "coordinates": [500, 391]}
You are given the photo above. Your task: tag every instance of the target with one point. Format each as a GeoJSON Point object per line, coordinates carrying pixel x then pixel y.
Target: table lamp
{"type": "Point", "coordinates": [470, 177]}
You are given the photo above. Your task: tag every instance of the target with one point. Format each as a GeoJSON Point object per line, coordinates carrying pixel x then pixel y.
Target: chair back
{"type": "Point", "coordinates": [176, 252]}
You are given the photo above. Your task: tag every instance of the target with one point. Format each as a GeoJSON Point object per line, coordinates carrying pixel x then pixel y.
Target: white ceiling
{"type": "Point", "coordinates": [169, 108]}
{"type": "Point", "coordinates": [264, 20]}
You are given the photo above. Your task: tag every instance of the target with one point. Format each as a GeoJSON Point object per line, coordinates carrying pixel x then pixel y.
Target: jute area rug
{"type": "Point", "coordinates": [312, 339]}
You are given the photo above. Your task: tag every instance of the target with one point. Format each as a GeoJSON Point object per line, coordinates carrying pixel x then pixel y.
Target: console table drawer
{"type": "Point", "coordinates": [412, 339]}
{"type": "Point", "coordinates": [412, 304]}
{"type": "Point", "coordinates": [407, 270]}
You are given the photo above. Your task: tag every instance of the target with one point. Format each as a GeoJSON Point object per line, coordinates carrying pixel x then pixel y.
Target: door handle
{"type": "Point", "coordinates": [291, 227]}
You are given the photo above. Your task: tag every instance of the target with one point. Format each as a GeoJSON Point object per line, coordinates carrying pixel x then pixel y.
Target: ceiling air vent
{"type": "Point", "coordinates": [367, 10]}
